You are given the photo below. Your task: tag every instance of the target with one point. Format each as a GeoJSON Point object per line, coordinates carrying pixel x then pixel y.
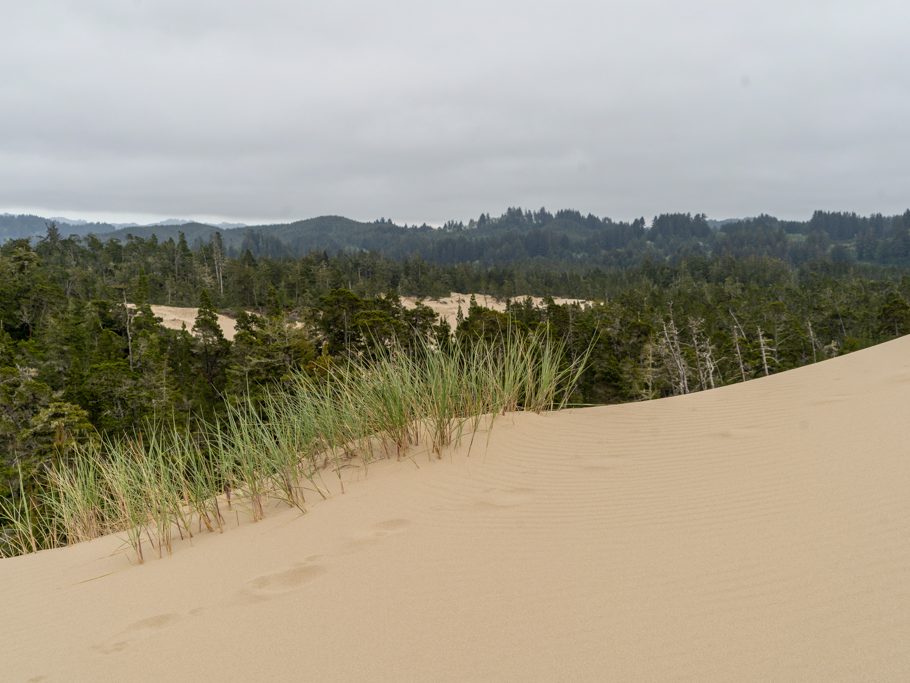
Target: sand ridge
{"type": "Point", "coordinates": [759, 531]}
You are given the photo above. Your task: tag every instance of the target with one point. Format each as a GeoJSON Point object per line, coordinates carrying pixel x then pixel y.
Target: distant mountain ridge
{"type": "Point", "coordinates": [326, 233]}
{"type": "Point", "coordinates": [559, 238]}
{"type": "Point", "coordinates": [17, 226]}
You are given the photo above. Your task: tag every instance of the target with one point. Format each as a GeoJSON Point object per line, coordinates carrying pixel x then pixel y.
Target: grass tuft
{"type": "Point", "coordinates": [164, 481]}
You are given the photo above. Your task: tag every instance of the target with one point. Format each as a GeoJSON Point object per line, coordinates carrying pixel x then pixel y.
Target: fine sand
{"type": "Point", "coordinates": [176, 317]}
{"type": "Point", "coordinates": [447, 307]}
{"type": "Point", "coordinates": [755, 532]}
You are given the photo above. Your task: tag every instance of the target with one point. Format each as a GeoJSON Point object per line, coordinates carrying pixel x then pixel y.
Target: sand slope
{"type": "Point", "coordinates": [760, 531]}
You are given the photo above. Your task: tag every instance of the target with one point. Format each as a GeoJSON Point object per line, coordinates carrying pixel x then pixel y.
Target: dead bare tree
{"type": "Point", "coordinates": [812, 340]}
{"type": "Point", "coordinates": [674, 357]}
{"type": "Point", "coordinates": [737, 334]}
{"type": "Point", "coordinates": [705, 363]}
{"type": "Point", "coordinates": [766, 351]}
{"type": "Point", "coordinates": [648, 361]}
{"type": "Point", "coordinates": [129, 314]}
{"type": "Point", "coordinates": [218, 259]}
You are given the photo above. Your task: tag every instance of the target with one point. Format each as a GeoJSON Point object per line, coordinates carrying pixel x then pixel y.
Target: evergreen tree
{"type": "Point", "coordinates": [211, 350]}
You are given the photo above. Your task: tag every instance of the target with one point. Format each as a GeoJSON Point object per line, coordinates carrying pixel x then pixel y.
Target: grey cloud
{"type": "Point", "coordinates": [429, 111]}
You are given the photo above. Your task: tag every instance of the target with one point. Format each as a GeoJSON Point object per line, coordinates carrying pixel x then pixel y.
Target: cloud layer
{"type": "Point", "coordinates": [429, 111]}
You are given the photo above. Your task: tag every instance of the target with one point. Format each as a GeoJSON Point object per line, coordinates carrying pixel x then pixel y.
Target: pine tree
{"type": "Point", "coordinates": [211, 349]}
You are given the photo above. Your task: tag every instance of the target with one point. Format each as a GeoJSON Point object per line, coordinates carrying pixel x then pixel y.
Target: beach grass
{"type": "Point", "coordinates": [165, 480]}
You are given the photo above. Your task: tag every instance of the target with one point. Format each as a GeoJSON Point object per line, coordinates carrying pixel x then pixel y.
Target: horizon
{"type": "Point", "coordinates": [215, 220]}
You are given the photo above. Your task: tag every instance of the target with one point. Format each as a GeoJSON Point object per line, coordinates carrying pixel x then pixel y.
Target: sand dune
{"type": "Point", "coordinates": [759, 531]}
{"type": "Point", "coordinates": [447, 307]}
{"type": "Point", "coordinates": [176, 317]}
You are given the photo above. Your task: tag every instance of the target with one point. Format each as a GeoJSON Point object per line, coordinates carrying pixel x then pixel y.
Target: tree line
{"type": "Point", "coordinates": [534, 238]}
{"type": "Point", "coordinates": [571, 239]}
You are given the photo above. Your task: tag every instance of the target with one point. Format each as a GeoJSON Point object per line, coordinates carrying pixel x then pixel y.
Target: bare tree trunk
{"type": "Point", "coordinates": [764, 350]}
{"type": "Point", "coordinates": [219, 275]}
{"type": "Point", "coordinates": [648, 392]}
{"type": "Point", "coordinates": [737, 332]}
{"type": "Point", "coordinates": [704, 354]}
{"type": "Point", "coordinates": [129, 329]}
{"type": "Point", "coordinates": [218, 259]}
{"type": "Point", "coordinates": [674, 349]}
{"type": "Point", "coordinates": [699, 356]}
{"type": "Point", "coordinates": [812, 340]}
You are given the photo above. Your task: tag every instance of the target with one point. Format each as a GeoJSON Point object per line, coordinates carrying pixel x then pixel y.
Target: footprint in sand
{"type": "Point", "coordinates": [389, 527]}
{"type": "Point", "coordinates": [137, 631]}
{"type": "Point", "coordinates": [278, 583]}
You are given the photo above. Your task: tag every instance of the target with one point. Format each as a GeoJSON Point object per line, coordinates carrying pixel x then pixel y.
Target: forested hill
{"type": "Point", "coordinates": [563, 237]}
{"type": "Point", "coordinates": [325, 233]}
{"type": "Point", "coordinates": [30, 226]}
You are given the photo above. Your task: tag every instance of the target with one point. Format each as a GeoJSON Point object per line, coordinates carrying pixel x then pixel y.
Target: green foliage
{"type": "Point", "coordinates": [211, 350]}
{"type": "Point", "coordinates": [151, 484]}
{"type": "Point", "coordinates": [266, 349]}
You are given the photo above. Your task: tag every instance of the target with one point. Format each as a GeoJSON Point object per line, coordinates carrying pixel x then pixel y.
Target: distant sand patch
{"type": "Point", "coordinates": [447, 307]}
{"type": "Point", "coordinates": [176, 317]}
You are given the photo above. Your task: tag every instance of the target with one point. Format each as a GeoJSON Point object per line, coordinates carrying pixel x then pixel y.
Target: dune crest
{"type": "Point", "coordinates": [758, 531]}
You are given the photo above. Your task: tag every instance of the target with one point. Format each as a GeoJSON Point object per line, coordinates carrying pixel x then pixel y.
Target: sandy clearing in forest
{"type": "Point", "coordinates": [175, 317]}
{"type": "Point", "coordinates": [447, 307]}
{"type": "Point", "coordinates": [754, 532]}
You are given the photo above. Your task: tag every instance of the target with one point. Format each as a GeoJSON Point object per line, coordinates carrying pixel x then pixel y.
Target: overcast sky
{"type": "Point", "coordinates": [426, 111]}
